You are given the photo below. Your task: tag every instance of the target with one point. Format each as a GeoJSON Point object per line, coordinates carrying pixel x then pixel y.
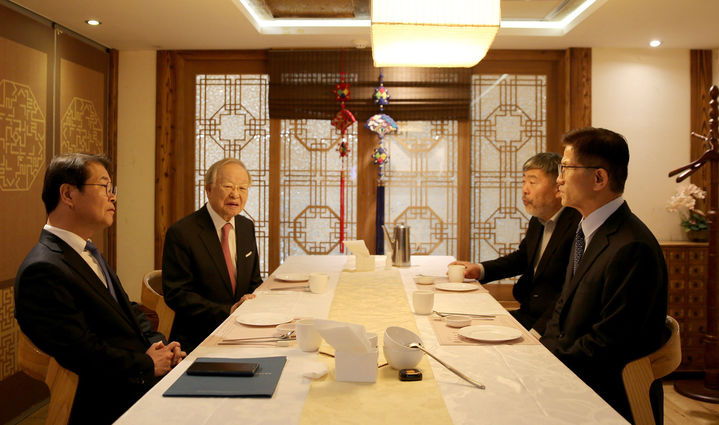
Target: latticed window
{"type": "Point", "coordinates": [310, 173]}
{"type": "Point", "coordinates": [231, 120]}
{"type": "Point", "coordinates": [509, 125]}
{"type": "Point", "coordinates": [421, 184]}
{"type": "Point", "coordinates": [456, 179]}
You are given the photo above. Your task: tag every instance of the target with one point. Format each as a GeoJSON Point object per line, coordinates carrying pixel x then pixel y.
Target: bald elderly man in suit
{"type": "Point", "coordinates": [210, 263]}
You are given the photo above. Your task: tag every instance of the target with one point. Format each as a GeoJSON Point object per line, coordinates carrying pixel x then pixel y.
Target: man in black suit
{"type": "Point", "coordinates": [613, 306]}
{"type": "Point", "coordinates": [210, 263]}
{"type": "Point", "coordinates": [73, 307]}
{"type": "Point", "coordinates": [543, 253]}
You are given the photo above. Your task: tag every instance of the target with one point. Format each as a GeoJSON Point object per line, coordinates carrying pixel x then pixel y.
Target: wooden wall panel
{"type": "Point", "coordinates": [700, 73]}
{"type": "Point", "coordinates": [579, 105]}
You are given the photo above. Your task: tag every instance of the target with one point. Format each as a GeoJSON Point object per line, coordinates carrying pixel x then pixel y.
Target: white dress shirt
{"type": "Point", "coordinates": [219, 222]}
{"type": "Point", "coordinates": [549, 226]}
{"type": "Point", "coordinates": [77, 243]}
{"type": "Point", "coordinates": [593, 221]}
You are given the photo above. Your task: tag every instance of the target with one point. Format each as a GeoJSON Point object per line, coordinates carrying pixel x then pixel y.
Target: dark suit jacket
{"type": "Point", "coordinates": [66, 310]}
{"type": "Point", "coordinates": [537, 292]}
{"type": "Point", "coordinates": [195, 281]}
{"type": "Point", "coordinates": [613, 309]}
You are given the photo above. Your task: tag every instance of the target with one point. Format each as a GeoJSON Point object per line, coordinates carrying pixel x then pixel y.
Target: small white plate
{"type": "Point", "coordinates": [457, 287]}
{"type": "Point", "coordinates": [263, 319]}
{"type": "Point", "coordinates": [293, 277]}
{"type": "Point", "coordinates": [490, 333]}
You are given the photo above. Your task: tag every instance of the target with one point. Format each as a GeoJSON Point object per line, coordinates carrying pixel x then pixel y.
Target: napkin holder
{"type": "Point", "coordinates": [356, 366]}
{"type": "Point", "coordinates": [364, 263]}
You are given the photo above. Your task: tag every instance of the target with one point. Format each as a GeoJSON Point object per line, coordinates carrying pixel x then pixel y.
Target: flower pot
{"type": "Point", "coordinates": [698, 235]}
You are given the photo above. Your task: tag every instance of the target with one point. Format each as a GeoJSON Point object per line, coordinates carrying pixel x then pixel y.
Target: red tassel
{"type": "Point", "coordinates": [342, 210]}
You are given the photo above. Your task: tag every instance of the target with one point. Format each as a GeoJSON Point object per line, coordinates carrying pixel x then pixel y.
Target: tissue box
{"type": "Point", "coordinates": [356, 367]}
{"type": "Point", "coordinates": [364, 263]}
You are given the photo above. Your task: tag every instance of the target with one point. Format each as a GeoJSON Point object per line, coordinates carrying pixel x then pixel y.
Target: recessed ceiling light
{"type": "Point", "coordinates": [93, 22]}
{"type": "Point", "coordinates": [655, 43]}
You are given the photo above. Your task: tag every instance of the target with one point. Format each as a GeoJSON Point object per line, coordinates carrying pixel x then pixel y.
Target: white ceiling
{"type": "Point", "coordinates": [219, 24]}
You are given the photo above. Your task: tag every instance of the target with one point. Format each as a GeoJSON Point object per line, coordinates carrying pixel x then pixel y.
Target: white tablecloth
{"type": "Point", "coordinates": [525, 383]}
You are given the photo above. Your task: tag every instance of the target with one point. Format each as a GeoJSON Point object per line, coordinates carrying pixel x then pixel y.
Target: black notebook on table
{"type": "Point", "coordinates": [262, 384]}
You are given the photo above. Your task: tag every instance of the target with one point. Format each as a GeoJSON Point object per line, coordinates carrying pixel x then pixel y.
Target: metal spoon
{"type": "Point", "coordinates": [474, 316]}
{"type": "Point", "coordinates": [287, 335]}
{"type": "Point", "coordinates": [451, 369]}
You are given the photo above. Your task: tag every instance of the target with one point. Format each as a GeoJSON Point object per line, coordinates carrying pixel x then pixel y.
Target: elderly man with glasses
{"type": "Point", "coordinates": [210, 263]}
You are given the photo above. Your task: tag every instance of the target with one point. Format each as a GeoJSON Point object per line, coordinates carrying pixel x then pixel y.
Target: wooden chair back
{"type": "Point", "coordinates": [152, 298]}
{"type": "Point", "coordinates": [639, 374]}
{"type": "Point", "coordinates": [61, 382]}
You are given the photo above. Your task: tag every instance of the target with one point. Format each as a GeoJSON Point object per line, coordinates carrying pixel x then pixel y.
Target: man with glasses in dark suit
{"type": "Point", "coordinates": [72, 306]}
{"type": "Point", "coordinates": [613, 306]}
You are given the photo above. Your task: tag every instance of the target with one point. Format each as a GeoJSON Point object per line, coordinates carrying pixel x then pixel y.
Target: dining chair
{"type": "Point", "coordinates": [639, 374]}
{"type": "Point", "coordinates": [61, 382]}
{"type": "Point", "coordinates": [152, 297]}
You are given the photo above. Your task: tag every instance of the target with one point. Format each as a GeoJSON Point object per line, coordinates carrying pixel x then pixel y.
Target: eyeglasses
{"type": "Point", "coordinates": [561, 168]}
{"type": "Point", "coordinates": [227, 187]}
{"type": "Point", "coordinates": [110, 189]}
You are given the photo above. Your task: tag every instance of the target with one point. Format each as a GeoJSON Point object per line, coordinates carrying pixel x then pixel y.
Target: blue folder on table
{"type": "Point", "coordinates": [262, 384]}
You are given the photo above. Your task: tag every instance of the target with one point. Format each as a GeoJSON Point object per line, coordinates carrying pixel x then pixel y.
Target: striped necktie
{"type": "Point", "coordinates": [89, 246]}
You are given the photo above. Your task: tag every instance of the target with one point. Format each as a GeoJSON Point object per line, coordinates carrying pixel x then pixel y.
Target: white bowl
{"type": "Point", "coordinates": [458, 320]}
{"type": "Point", "coordinates": [283, 328]}
{"type": "Point", "coordinates": [398, 338]}
{"type": "Point", "coordinates": [402, 359]}
{"type": "Point", "coordinates": [424, 280]}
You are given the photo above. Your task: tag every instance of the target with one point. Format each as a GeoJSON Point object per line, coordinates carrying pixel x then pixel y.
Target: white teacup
{"type": "Point", "coordinates": [455, 272]}
{"type": "Point", "coordinates": [423, 301]}
{"type": "Point", "coordinates": [318, 282]}
{"type": "Point", "coordinates": [307, 336]}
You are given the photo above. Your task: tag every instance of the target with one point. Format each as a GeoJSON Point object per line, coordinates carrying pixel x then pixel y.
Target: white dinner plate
{"type": "Point", "coordinates": [263, 319]}
{"type": "Point", "coordinates": [457, 287]}
{"type": "Point", "coordinates": [293, 277]}
{"type": "Point", "coordinates": [446, 280]}
{"type": "Point", "coordinates": [490, 333]}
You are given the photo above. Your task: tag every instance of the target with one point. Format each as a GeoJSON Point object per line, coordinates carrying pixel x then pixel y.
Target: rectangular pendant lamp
{"type": "Point", "coordinates": [433, 33]}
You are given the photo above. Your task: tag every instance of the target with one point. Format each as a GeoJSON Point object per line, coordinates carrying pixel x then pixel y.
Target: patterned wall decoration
{"type": "Point", "coordinates": [8, 333]}
{"type": "Point", "coordinates": [24, 146]}
{"type": "Point", "coordinates": [82, 96]}
{"type": "Point", "coordinates": [421, 184]}
{"type": "Point", "coordinates": [508, 126]}
{"type": "Point", "coordinates": [81, 128]}
{"type": "Point", "coordinates": [22, 136]}
{"type": "Point", "coordinates": [232, 120]}
{"type": "Point", "coordinates": [310, 187]}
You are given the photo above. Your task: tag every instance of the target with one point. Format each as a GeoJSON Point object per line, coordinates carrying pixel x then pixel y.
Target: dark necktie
{"type": "Point", "coordinates": [226, 251]}
{"type": "Point", "coordinates": [578, 248]}
{"type": "Point", "coordinates": [89, 246]}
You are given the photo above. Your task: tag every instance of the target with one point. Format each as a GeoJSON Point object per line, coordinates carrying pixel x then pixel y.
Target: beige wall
{"type": "Point", "coordinates": [644, 95]}
{"type": "Point", "coordinates": [136, 169]}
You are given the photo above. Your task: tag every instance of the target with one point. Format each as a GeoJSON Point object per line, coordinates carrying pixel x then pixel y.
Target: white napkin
{"type": "Point", "coordinates": [314, 369]}
{"type": "Point", "coordinates": [343, 336]}
{"type": "Point", "coordinates": [357, 247]}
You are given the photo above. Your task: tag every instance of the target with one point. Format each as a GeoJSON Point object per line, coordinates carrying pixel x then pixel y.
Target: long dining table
{"type": "Point", "coordinates": [525, 383]}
